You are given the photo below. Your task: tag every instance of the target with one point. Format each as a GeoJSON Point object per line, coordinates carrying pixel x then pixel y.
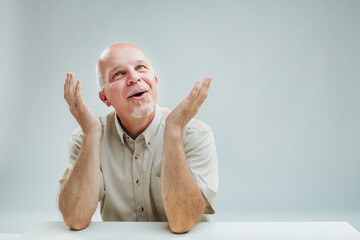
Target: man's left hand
{"type": "Point", "coordinates": [188, 108]}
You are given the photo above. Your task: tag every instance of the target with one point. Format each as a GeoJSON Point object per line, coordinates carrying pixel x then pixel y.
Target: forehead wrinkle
{"type": "Point", "coordinates": [139, 61]}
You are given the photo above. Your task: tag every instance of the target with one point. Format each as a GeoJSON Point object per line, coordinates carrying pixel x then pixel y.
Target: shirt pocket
{"type": "Point", "coordinates": [156, 198]}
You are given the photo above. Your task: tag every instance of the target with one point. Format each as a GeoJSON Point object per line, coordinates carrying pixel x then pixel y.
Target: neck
{"type": "Point", "coordinates": [135, 126]}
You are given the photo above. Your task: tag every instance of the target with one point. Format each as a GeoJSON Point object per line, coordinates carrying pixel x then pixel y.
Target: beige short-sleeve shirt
{"type": "Point", "coordinates": [130, 188]}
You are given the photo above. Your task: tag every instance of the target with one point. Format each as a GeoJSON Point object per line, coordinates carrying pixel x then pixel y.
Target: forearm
{"type": "Point", "coordinates": [79, 196]}
{"type": "Point", "coordinates": [182, 198]}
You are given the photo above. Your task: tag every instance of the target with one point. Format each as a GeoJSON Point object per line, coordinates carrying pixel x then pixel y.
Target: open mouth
{"type": "Point", "coordinates": [137, 95]}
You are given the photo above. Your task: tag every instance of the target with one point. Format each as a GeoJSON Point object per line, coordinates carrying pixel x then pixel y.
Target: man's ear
{"type": "Point", "coordinates": [156, 79]}
{"type": "Point", "coordinates": [103, 98]}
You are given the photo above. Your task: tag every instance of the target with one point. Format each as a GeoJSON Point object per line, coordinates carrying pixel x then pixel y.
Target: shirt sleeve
{"type": "Point", "coordinates": [200, 152]}
{"type": "Point", "coordinates": [75, 143]}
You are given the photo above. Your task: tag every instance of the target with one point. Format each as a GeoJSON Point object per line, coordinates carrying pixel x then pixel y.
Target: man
{"type": "Point", "coordinates": [143, 162]}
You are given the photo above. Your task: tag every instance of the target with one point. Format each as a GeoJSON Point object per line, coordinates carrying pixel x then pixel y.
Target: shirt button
{"type": "Point", "coordinates": [137, 156]}
{"type": "Point", "coordinates": [138, 182]}
{"type": "Point", "coordinates": [140, 209]}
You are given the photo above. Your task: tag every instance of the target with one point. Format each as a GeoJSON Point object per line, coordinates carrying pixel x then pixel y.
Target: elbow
{"type": "Point", "coordinates": [77, 223]}
{"type": "Point", "coordinates": [181, 227]}
{"type": "Point", "coordinates": [182, 222]}
{"type": "Point", "coordinates": [73, 219]}
{"type": "Point", "coordinates": [79, 226]}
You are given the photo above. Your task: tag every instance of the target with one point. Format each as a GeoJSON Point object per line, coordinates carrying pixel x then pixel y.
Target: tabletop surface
{"type": "Point", "coordinates": [202, 230]}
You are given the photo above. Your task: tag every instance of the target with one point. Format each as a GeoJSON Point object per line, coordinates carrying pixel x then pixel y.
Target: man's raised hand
{"type": "Point", "coordinates": [188, 108]}
{"type": "Point", "coordinates": [88, 121]}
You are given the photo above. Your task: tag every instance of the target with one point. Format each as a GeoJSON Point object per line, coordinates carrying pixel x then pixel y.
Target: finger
{"type": "Point", "coordinates": [71, 89]}
{"type": "Point", "coordinates": [204, 90]}
{"type": "Point", "coordinates": [78, 95]}
{"type": "Point", "coordinates": [207, 80]}
{"type": "Point", "coordinates": [194, 92]}
{"type": "Point", "coordinates": [205, 85]}
{"type": "Point", "coordinates": [66, 85]}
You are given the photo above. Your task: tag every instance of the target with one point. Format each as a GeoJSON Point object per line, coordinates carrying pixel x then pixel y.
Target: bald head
{"type": "Point", "coordinates": [115, 50]}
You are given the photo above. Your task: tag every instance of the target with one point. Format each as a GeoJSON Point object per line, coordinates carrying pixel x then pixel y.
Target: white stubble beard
{"type": "Point", "coordinates": [138, 112]}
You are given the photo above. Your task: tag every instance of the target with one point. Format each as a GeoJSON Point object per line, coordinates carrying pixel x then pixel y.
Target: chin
{"type": "Point", "coordinates": [142, 111]}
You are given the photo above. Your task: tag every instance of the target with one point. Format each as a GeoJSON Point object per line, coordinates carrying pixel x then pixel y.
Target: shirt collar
{"type": "Point", "coordinates": [119, 129]}
{"type": "Point", "coordinates": [147, 134]}
{"type": "Point", "coordinates": [152, 129]}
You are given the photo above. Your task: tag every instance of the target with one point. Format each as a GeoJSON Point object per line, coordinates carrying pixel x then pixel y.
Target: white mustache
{"type": "Point", "coordinates": [139, 87]}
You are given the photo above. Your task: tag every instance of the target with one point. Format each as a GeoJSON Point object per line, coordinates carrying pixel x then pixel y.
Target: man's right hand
{"type": "Point", "coordinates": [88, 121]}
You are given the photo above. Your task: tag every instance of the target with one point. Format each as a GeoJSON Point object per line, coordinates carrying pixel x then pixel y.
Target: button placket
{"type": "Point", "coordinates": [137, 181]}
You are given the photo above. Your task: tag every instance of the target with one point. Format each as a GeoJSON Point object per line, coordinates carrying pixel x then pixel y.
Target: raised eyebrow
{"type": "Point", "coordinates": [137, 62]}
{"type": "Point", "coordinates": [113, 70]}
{"type": "Point", "coordinates": [142, 62]}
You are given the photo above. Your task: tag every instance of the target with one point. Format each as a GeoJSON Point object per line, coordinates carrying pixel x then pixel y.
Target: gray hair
{"type": "Point", "coordinates": [99, 78]}
{"type": "Point", "coordinates": [101, 81]}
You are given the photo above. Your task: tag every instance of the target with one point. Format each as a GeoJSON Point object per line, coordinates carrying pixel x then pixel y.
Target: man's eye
{"type": "Point", "coordinates": [141, 67]}
{"type": "Point", "coordinates": [118, 74]}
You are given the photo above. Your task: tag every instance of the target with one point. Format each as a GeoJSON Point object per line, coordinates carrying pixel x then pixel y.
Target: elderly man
{"type": "Point", "coordinates": [141, 161]}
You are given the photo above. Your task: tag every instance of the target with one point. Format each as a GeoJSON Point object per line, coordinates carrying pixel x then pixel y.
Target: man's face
{"type": "Point", "coordinates": [131, 87]}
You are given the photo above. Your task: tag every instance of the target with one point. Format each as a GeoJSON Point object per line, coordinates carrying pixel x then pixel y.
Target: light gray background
{"type": "Point", "coordinates": [283, 105]}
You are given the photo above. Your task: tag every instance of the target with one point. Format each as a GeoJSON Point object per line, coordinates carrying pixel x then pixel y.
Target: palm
{"type": "Point", "coordinates": [188, 108]}
{"type": "Point", "coordinates": [86, 118]}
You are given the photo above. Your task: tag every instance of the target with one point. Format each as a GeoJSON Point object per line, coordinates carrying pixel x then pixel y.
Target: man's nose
{"type": "Point", "coordinates": [133, 77]}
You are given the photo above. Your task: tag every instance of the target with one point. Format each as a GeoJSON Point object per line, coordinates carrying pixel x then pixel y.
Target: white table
{"type": "Point", "coordinates": [203, 230]}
